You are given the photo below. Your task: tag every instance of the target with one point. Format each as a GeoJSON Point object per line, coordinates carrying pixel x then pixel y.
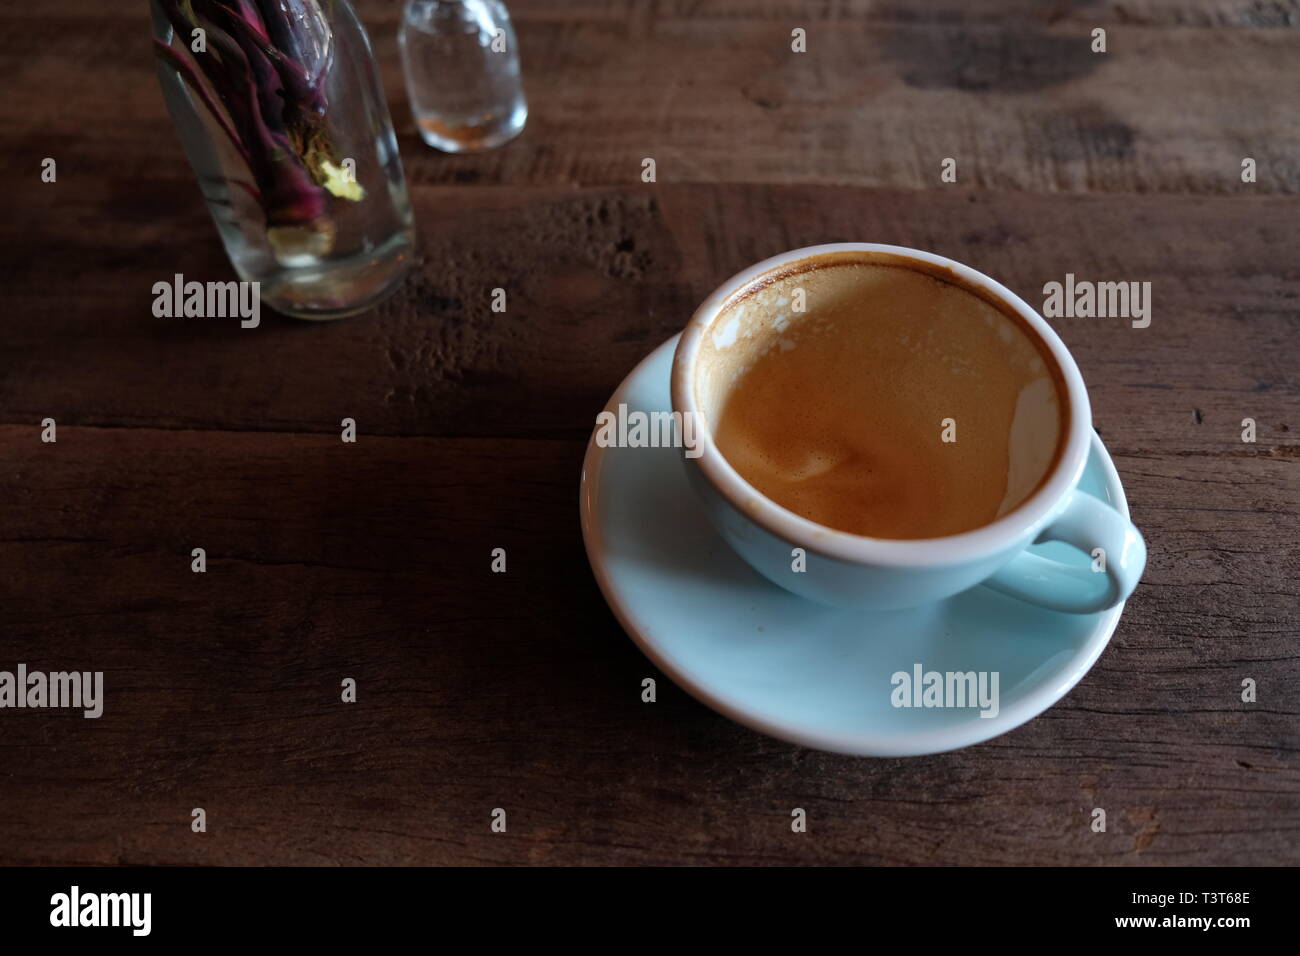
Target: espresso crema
{"type": "Point", "coordinates": [899, 403]}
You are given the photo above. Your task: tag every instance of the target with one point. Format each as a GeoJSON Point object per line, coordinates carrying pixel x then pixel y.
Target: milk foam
{"type": "Point", "coordinates": [1035, 430]}
{"type": "Point", "coordinates": [837, 413]}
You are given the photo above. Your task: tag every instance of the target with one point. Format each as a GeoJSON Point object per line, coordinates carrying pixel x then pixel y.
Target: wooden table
{"type": "Point", "coordinates": [371, 561]}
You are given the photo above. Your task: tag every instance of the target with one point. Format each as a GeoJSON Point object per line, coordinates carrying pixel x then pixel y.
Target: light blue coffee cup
{"type": "Point", "coordinates": [849, 570]}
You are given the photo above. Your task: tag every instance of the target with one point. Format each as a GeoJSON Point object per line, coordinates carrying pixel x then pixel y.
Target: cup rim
{"type": "Point", "coordinates": [1028, 517]}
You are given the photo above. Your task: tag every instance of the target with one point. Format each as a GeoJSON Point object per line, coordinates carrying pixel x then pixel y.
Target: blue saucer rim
{"type": "Point", "coordinates": [859, 743]}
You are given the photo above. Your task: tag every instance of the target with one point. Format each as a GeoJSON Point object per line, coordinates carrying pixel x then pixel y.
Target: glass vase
{"type": "Point", "coordinates": [283, 117]}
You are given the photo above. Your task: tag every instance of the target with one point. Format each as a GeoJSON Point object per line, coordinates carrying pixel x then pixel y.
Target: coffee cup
{"type": "Point", "coordinates": [881, 427]}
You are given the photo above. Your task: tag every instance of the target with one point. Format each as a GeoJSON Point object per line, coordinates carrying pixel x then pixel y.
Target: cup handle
{"type": "Point", "coordinates": [1088, 524]}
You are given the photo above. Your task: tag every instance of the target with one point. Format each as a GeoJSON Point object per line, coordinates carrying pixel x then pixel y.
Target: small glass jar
{"type": "Point", "coordinates": [463, 79]}
{"type": "Point", "coordinates": [283, 117]}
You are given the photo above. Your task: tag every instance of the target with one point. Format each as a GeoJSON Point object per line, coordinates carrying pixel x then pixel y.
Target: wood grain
{"type": "Point", "coordinates": [713, 92]}
{"type": "Point", "coordinates": [519, 690]}
{"type": "Point", "coordinates": [372, 561]}
{"type": "Point", "coordinates": [596, 278]}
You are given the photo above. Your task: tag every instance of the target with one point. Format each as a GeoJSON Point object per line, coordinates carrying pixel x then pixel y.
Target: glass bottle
{"type": "Point", "coordinates": [462, 73]}
{"type": "Point", "coordinates": [282, 115]}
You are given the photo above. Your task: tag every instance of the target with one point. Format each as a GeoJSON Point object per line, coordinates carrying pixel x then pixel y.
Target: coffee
{"type": "Point", "coordinates": [899, 403]}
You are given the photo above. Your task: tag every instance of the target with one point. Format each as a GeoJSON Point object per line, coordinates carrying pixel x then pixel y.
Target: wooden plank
{"type": "Point", "coordinates": [714, 94]}
{"type": "Point", "coordinates": [597, 278]}
{"type": "Point", "coordinates": [519, 690]}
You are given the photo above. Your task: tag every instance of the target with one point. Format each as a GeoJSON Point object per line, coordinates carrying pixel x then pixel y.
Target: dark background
{"type": "Point", "coordinates": [520, 691]}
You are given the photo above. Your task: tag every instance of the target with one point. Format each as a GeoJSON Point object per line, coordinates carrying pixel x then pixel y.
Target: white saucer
{"type": "Point", "coordinates": [805, 673]}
